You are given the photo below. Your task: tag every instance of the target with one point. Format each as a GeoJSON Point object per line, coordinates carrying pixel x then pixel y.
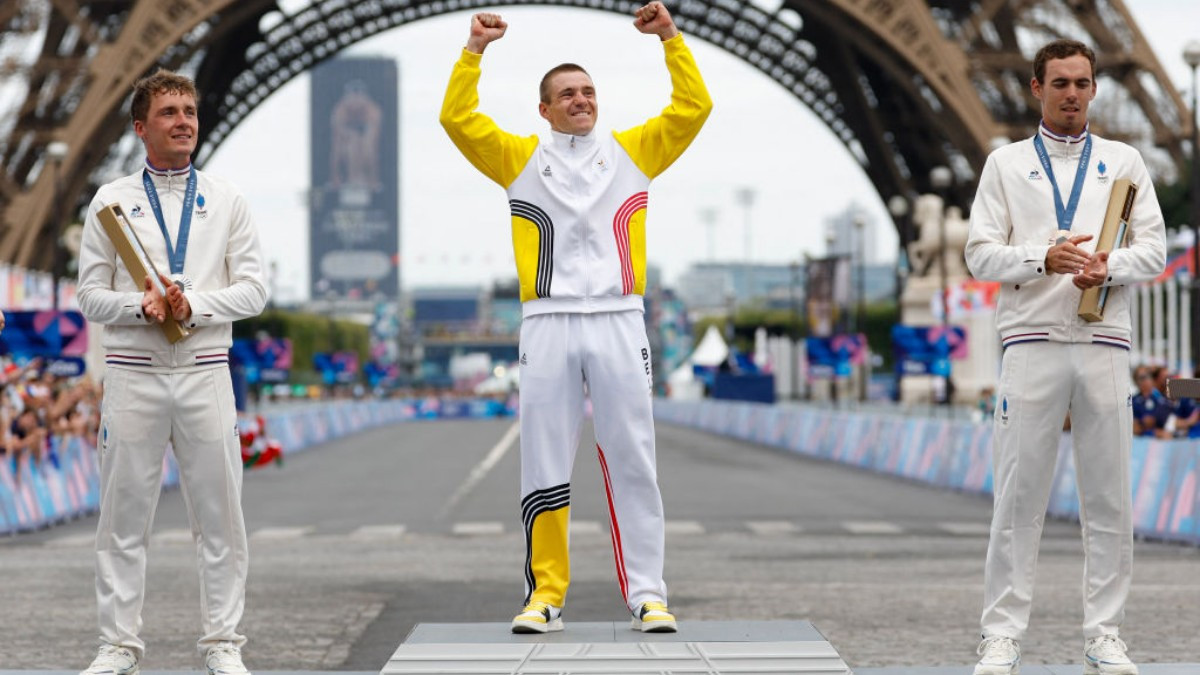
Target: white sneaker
{"type": "Point", "coordinates": [1105, 655]}
{"type": "Point", "coordinates": [653, 617]}
{"type": "Point", "coordinates": [224, 658]}
{"type": "Point", "coordinates": [113, 660]}
{"type": "Point", "coordinates": [538, 617]}
{"type": "Point", "coordinates": [998, 656]}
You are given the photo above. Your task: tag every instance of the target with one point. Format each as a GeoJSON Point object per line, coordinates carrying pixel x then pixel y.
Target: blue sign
{"type": "Point", "coordinates": [927, 350]}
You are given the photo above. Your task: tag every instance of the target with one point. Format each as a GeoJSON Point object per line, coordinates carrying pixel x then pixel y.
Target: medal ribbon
{"type": "Point", "coordinates": [177, 255]}
{"type": "Point", "coordinates": [1066, 215]}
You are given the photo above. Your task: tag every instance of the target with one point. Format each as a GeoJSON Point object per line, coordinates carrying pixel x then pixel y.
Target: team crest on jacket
{"type": "Point", "coordinates": [1004, 411]}
{"type": "Point", "coordinates": [1102, 168]}
{"type": "Point", "coordinates": [136, 211]}
{"type": "Point", "coordinates": [1035, 175]}
{"type": "Point", "coordinates": [201, 210]}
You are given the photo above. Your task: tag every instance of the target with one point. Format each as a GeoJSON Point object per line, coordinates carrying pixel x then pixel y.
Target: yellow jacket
{"type": "Point", "coordinates": [578, 203]}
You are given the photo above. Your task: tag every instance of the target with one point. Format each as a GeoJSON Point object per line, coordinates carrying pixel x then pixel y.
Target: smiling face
{"type": "Point", "coordinates": [169, 129]}
{"type": "Point", "coordinates": [570, 102]}
{"type": "Point", "coordinates": [1065, 91]}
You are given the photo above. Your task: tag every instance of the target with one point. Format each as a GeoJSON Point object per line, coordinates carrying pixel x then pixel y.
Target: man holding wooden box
{"type": "Point", "coordinates": [167, 342]}
{"type": "Point", "coordinates": [1043, 205]}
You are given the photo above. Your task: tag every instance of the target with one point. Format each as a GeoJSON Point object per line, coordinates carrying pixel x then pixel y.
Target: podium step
{"type": "Point", "coordinates": [612, 648]}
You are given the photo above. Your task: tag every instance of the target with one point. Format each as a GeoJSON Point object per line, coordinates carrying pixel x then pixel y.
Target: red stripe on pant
{"type": "Point", "coordinates": [618, 552]}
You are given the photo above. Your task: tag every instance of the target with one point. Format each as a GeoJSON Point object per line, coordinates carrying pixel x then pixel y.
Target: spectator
{"type": "Point", "coordinates": [1151, 410]}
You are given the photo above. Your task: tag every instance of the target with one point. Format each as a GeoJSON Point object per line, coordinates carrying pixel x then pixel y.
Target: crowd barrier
{"type": "Point", "coordinates": [951, 454]}
{"type": "Point", "coordinates": [65, 483]}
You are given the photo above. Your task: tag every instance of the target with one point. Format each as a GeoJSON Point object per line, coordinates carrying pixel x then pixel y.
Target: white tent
{"type": "Point", "coordinates": [712, 351]}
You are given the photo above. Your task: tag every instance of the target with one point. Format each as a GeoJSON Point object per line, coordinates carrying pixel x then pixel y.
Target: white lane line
{"type": "Point", "coordinates": [279, 533]}
{"type": "Point", "coordinates": [586, 527]}
{"type": "Point", "coordinates": [72, 541]}
{"type": "Point", "coordinates": [379, 532]}
{"type": "Point", "coordinates": [474, 529]}
{"type": "Point", "coordinates": [481, 470]}
{"type": "Point", "coordinates": [683, 527]}
{"type": "Point", "coordinates": [872, 527]}
{"type": "Point", "coordinates": [965, 529]}
{"type": "Point", "coordinates": [772, 527]}
{"type": "Point", "coordinates": [172, 537]}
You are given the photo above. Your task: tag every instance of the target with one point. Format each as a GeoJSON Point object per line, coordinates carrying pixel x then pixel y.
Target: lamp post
{"type": "Point", "coordinates": [794, 330]}
{"type": "Point", "coordinates": [56, 152]}
{"type": "Point", "coordinates": [1191, 55]}
{"type": "Point", "coordinates": [860, 293]}
{"type": "Point", "coordinates": [745, 197]}
{"type": "Point", "coordinates": [709, 216]}
{"type": "Point", "coordinates": [940, 178]}
{"type": "Point", "coordinates": [898, 206]}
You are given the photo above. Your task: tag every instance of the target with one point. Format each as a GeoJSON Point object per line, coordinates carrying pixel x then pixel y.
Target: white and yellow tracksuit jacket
{"type": "Point", "coordinates": [578, 202]}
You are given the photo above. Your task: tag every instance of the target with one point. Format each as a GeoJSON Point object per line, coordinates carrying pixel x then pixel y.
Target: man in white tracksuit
{"type": "Point", "coordinates": [196, 228]}
{"type": "Point", "coordinates": [578, 202]}
{"type": "Point", "coordinates": [1034, 223]}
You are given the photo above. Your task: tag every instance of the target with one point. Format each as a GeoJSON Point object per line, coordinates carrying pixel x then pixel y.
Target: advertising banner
{"type": "Point", "coordinates": [354, 209]}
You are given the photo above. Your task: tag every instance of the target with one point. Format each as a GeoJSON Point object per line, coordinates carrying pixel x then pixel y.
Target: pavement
{"type": "Point", "coordinates": [356, 542]}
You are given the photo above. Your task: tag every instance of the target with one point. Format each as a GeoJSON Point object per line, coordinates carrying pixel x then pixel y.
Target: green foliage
{"type": "Point", "coordinates": [310, 334]}
{"type": "Point", "coordinates": [1175, 200]}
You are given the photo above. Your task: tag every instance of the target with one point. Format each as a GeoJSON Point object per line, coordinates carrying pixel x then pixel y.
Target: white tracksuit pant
{"type": "Point", "coordinates": [608, 350]}
{"type": "Point", "coordinates": [1040, 382]}
{"type": "Point", "coordinates": [142, 411]}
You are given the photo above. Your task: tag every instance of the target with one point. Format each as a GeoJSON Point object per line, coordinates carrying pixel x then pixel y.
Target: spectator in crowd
{"type": "Point", "coordinates": [1151, 410]}
{"type": "Point", "coordinates": [36, 406]}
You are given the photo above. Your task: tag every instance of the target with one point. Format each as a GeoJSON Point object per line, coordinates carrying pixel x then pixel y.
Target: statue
{"type": "Point", "coordinates": [923, 252]}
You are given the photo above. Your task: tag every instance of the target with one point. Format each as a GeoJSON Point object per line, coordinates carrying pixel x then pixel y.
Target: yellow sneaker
{"type": "Point", "coordinates": [653, 617]}
{"type": "Point", "coordinates": [538, 617]}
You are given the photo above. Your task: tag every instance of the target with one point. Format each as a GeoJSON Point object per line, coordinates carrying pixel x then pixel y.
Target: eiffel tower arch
{"type": "Point", "coordinates": [905, 85]}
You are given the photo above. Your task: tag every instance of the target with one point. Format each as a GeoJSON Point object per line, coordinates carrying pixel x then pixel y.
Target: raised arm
{"type": "Point", "coordinates": [498, 154]}
{"type": "Point", "coordinates": [661, 140]}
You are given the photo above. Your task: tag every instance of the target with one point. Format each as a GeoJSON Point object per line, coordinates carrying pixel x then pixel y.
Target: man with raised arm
{"type": "Point", "coordinates": [578, 202]}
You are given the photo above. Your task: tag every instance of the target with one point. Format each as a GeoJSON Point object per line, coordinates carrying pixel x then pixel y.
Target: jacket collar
{"type": "Point", "coordinates": [1049, 135]}
{"type": "Point", "coordinates": [567, 142]}
{"type": "Point", "coordinates": [167, 173]}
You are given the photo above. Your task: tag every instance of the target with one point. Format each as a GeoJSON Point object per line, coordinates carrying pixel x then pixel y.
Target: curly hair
{"type": "Point", "coordinates": [162, 81]}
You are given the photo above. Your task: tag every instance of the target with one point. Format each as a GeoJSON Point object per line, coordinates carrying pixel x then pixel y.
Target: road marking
{"type": "Point", "coordinates": [772, 527]}
{"type": "Point", "coordinates": [586, 527]}
{"type": "Point", "coordinates": [481, 470]}
{"type": "Point", "coordinates": [378, 532]}
{"type": "Point", "coordinates": [478, 528]}
{"type": "Point", "coordinates": [965, 529]}
{"type": "Point", "coordinates": [683, 527]}
{"type": "Point", "coordinates": [872, 527]}
{"type": "Point", "coordinates": [172, 537]}
{"type": "Point", "coordinates": [72, 541]}
{"type": "Point", "coordinates": [279, 533]}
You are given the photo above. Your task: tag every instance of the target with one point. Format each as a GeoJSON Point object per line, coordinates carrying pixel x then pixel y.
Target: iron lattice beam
{"type": "Point", "coordinates": [905, 85]}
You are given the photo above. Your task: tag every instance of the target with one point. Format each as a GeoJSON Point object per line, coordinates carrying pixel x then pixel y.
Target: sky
{"type": "Point", "coordinates": [454, 228]}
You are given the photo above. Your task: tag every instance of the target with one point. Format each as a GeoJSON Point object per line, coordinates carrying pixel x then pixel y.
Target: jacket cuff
{"type": "Point", "coordinates": [1034, 261]}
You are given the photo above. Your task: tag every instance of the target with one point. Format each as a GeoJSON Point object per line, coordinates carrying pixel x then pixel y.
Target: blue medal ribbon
{"type": "Point", "coordinates": [1066, 215]}
{"type": "Point", "coordinates": [175, 255]}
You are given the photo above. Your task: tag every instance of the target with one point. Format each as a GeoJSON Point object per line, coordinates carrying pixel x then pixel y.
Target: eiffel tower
{"type": "Point", "coordinates": [906, 85]}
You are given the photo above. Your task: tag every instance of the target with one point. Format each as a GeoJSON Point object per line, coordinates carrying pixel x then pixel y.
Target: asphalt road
{"type": "Point", "coordinates": [355, 542]}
